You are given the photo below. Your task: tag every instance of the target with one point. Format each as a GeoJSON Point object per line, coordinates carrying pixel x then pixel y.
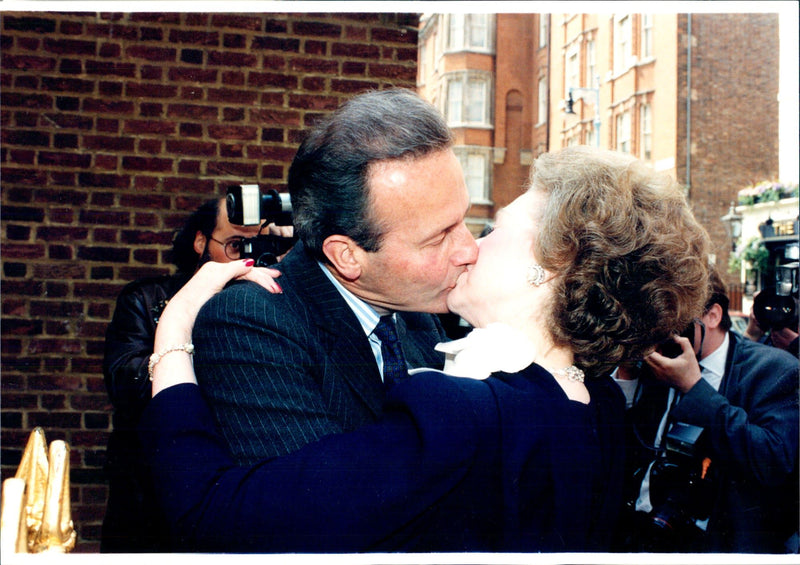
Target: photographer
{"type": "Point", "coordinates": [774, 321]}
{"type": "Point", "coordinates": [131, 522]}
{"type": "Point", "coordinates": [735, 487]}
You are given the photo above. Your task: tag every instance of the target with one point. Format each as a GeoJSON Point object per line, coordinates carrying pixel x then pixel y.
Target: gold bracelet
{"type": "Point", "coordinates": [156, 357]}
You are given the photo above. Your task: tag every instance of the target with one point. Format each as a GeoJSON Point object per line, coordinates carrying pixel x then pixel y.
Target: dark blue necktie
{"type": "Point", "coordinates": [394, 364]}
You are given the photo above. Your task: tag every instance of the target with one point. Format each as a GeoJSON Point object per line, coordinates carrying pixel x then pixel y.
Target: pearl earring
{"type": "Point", "coordinates": [535, 274]}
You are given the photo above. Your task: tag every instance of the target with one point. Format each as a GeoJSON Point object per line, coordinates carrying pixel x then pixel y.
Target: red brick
{"type": "Point", "coordinates": [225, 169]}
{"type": "Point", "coordinates": [193, 111]}
{"type": "Point", "coordinates": [151, 53]}
{"type": "Point", "coordinates": [69, 46]}
{"type": "Point", "coordinates": [29, 24]}
{"type": "Point", "coordinates": [315, 47]}
{"type": "Point", "coordinates": [232, 132]}
{"type": "Point", "coordinates": [21, 251]}
{"type": "Point", "coordinates": [193, 75]}
{"type": "Point", "coordinates": [76, 85]}
{"type": "Point", "coordinates": [108, 68]}
{"type": "Point", "coordinates": [275, 117]}
{"type": "Point", "coordinates": [274, 80]}
{"type": "Point", "coordinates": [151, 164]}
{"type": "Point", "coordinates": [63, 233]}
{"type": "Point", "coordinates": [28, 63]}
{"type": "Point", "coordinates": [27, 100]}
{"type": "Point", "coordinates": [239, 21]}
{"type": "Point", "coordinates": [313, 102]}
{"type": "Point", "coordinates": [356, 50]}
{"type": "Point", "coordinates": [273, 43]}
{"type": "Point", "coordinates": [228, 96]}
{"type": "Point", "coordinates": [392, 71]}
{"type": "Point", "coordinates": [313, 65]}
{"type": "Point", "coordinates": [144, 90]}
{"type": "Point", "coordinates": [210, 38]}
{"type": "Point", "coordinates": [150, 146]}
{"type": "Point", "coordinates": [317, 29]}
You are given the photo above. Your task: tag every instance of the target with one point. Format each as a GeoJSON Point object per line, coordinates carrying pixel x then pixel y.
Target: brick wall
{"type": "Point", "coordinates": [734, 115]}
{"type": "Point", "coordinates": [114, 126]}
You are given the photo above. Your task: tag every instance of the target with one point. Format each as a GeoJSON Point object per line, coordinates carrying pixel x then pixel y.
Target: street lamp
{"type": "Point", "coordinates": [733, 225]}
{"type": "Point", "coordinates": [570, 102]}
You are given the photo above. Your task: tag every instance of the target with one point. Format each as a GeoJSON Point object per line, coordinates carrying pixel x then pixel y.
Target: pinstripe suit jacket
{"type": "Point", "coordinates": [283, 370]}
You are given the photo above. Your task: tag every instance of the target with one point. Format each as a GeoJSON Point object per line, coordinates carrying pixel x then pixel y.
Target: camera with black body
{"type": "Point", "coordinates": [775, 307]}
{"type": "Point", "coordinates": [670, 348]}
{"type": "Point", "coordinates": [248, 205]}
{"type": "Point", "coordinates": [680, 490]}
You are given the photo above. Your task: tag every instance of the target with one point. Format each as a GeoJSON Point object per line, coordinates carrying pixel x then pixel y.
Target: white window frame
{"type": "Point", "coordinates": [543, 30]}
{"type": "Point", "coordinates": [623, 55]}
{"type": "Point", "coordinates": [543, 102]}
{"type": "Point", "coordinates": [623, 132]}
{"type": "Point", "coordinates": [647, 36]}
{"type": "Point", "coordinates": [646, 132]}
{"type": "Point", "coordinates": [591, 63]}
{"type": "Point", "coordinates": [476, 163]}
{"type": "Point", "coordinates": [475, 89]}
{"type": "Point", "coordinates": [469, 32]}
{"type": "Point", "coordinates": [572, 69]}
{"type": "Point", "coordinates": [454, 96]}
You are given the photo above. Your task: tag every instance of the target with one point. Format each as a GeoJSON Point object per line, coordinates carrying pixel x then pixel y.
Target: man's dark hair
{"type": "Point", "coordinates": [327, 178]}
{"type": "Point", "coordinates": [719, 295]}
{"type": "Point", "coordinates": [204, 220]}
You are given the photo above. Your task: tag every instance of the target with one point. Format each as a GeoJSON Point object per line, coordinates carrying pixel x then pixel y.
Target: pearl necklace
{"type": "Point", "coordinates": [572, 373]}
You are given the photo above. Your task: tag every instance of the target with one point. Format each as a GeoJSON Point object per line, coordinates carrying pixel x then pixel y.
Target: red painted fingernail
{"type": "Point", "coordinates": [279, 288]}
{"type": "Point", "coordinates": [249, 262]}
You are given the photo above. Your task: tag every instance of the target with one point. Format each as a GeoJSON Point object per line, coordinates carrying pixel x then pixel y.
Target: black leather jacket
{"type": "Point", "coordinates": [129, 344]}
{"type": "Point", "coordinates": [132, 522]}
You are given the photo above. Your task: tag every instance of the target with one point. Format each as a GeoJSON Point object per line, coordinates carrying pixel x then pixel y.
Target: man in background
{"type": "Point", "coordinates": [713, 449]}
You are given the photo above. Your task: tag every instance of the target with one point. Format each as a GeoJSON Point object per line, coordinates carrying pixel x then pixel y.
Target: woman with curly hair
{"type": "Point", "coordinates": [596, 263]}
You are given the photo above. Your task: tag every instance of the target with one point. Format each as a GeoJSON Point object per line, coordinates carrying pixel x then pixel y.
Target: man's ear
{"type": "Point", "coordinates": [713, 316]}
{"type": "Point", "coordinates": [200, 243]}
{"type": "Point", "coordinates": [344, 255]}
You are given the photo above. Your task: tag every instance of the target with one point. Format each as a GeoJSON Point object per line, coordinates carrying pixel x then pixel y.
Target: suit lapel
{"type": "Point", "coordinates": [350, 362]}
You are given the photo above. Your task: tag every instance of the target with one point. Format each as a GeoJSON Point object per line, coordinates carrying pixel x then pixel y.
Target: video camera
{"type": "Point", "coordinates": [248, 206]}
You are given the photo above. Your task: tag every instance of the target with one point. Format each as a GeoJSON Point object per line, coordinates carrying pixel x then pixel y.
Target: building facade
{"type": "Point", "coordinates": [478, 70]}
{"type": "Point", "coordinates": [694, 95]}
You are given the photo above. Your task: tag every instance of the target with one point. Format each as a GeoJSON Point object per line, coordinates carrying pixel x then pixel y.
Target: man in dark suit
{"type": "Point", "coordinates": [379, 202]}
{"type": "Point", "coordinates": [735, 487]}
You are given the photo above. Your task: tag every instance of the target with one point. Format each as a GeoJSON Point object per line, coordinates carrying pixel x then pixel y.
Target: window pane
{"type": "Point", "coordinates": [542, 100]}
{"type": "Point", "coordinates": [478, 28]}
{"type": "Point", "coordinates": [646, 133]}
{"type": "Point", "coordinates": [647, 35]}
{"type": "Point", "coordinates": [454, 98]}
{"type": "Point", "coordinates": [542, 30]}
{"type": "Point", "coordinates": [591, 67]}
{"type": "Point", "coordinates": [476, 101]}
{"type": "Point", "coordinates": [622, 43]}
{"type": "Point", "coordinates": [475, 176]}
{"type": "Point", "coordinates": [456, 32]}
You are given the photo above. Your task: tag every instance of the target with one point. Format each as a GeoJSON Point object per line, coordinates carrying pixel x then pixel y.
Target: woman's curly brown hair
{"type": "Point", "coordinates": [631, 260]}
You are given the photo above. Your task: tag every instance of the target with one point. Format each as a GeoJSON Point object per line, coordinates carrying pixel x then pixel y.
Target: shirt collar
{"type": "Point", "coordinates": [366, 314]}
{"type": "Point", "coordinates": [713, 365]}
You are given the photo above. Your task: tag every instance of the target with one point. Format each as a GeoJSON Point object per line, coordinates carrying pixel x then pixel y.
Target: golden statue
{"type": "Point", "coordinates": [36, 514]}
